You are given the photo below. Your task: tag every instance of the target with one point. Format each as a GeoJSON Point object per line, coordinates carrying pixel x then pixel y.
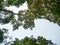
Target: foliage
{"type": "Point", "coordinates": [1, 36]}
{"type": "Point", "coordinates": [32, 41]}
{"type": "Point", "coordinates": [37, 9]}
{"type": "Point", "coordinates": [15, 2]}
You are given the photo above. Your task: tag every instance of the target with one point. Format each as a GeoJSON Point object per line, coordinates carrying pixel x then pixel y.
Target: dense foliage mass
{"type": "Point", "coordinates": [46, 9]}
{"type": "Point", "coordinates": [1, 36]}
{"type": "Point", "coordinates": [32, 41]}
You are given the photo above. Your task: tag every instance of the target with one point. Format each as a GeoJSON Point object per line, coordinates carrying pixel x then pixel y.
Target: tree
{"type": "Point", "coordinates": [1, 36]}
{"type": "Point", "coordinates": [31, 41]}
{"type": "Point", "coordinates": [37, 9]}
{"type": "Point", "coordinates": [47, 9]}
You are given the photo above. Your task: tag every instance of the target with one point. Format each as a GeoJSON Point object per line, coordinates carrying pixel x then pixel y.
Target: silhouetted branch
{"type": "Point", "coordinates": [8, 11]}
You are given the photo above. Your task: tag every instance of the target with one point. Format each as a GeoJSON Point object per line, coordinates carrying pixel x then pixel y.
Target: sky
{"type": "Point", "coordinates": [48, 30]}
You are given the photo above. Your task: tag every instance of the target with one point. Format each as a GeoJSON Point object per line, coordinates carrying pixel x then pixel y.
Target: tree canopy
{"type": "Point", "coordinates": [37, 9]}
{"type": "Point", "coordinates": [32, 41]}
{"type": "Point", "coordinates": [2, 36]}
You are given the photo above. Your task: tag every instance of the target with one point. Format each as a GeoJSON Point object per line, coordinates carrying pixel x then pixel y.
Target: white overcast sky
{"type": "Point", "coordinates": [43, 27]}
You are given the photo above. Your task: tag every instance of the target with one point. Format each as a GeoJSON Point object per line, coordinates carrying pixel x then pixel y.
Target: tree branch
{"type": "Point", "coordinates": [5, 10]}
